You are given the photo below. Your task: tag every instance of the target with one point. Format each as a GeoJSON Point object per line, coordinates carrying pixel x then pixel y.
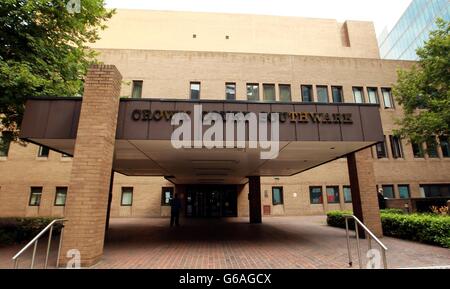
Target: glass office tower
{"type": "Point", "coordinates": [413, 28]}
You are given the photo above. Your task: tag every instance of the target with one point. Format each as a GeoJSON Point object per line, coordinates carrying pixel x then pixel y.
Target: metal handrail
{"type": "Point", "coordinates": [35, 242]}
{"type": "Point", "coordinates": [369, 238]}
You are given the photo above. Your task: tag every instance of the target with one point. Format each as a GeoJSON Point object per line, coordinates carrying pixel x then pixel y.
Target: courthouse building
{"type": "Point", "coordinates": [325, 78]}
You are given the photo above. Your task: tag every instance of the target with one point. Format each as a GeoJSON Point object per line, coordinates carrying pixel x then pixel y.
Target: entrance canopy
{"type": "Point", "coordinates": [310, 134]}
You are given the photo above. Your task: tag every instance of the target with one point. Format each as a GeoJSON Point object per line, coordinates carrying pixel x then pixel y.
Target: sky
{"type": "Point", "coordinates": [384, 13]}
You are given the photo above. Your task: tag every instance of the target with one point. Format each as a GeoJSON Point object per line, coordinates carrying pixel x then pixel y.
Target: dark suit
{"type": "Point", "coordinates": [175, 206]}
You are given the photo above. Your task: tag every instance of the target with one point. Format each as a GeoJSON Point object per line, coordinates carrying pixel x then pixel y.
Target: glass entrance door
{"type": "Point", "coordinates": [207, 201]}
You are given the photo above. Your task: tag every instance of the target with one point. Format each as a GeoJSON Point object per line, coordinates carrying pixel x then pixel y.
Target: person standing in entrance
{"type": "Point", "coordinates": [175, 205]}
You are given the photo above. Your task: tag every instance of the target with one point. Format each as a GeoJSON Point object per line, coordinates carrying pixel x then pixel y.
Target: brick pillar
{"type": "Point", "coordinates": [87, 198]}
{"type": "Point", "coordinates": [364, 192]}
{"type": "Point", "coordinates": [254, 199]}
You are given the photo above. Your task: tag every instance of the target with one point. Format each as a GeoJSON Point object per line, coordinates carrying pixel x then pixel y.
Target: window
{"type": "Point", "coordinates": [432, 150]}
{"type": "Point", "coordinates": [195, 90]}
{"type": "Point", "coordinates": [60, 196]}
{"type": "Point", "coordinates": [43, 152]}
{"type": "Point", "coordinates": [277, 195]}
{"type": "Point", "coordinates": [347, 194]}
{"type": "Point", "coordinates": [333, 195]}
{"type": "Point", "coordinates": [337, 94]}
{"type": "Point", "coordinates": [285, 92]}
{"type": "Point", "coordinates": [381, 149]}
{"type": "Point", "coordinates": [136, 91]}
{"type": "Point", "coordinates": [35, 196]}
{"type": "Point", "coordinates": [358, 94]}
{"type": "Point", "coordinates": [387, 98]}
{"type": "Point", "coordinates": [230, 91]}
{"type": "Point", "coordinates": [445, 147]}
{"type": "Point", "coordinates": [403, 191]}
{"type": "Point", "coordinates": [315, 195]}
{"type": "Point", "coordinates": [417, 150]}
{"type": "Point", "coordinates": [396, 147]}
{"type": "Point", "coordinates": [252, 91]}
{"type": "Point", "coordinates": [4, 147]}
{"type": "Point", "coordinates": [269, 92]}
{"type": "Point", "coordinates": [307, 95]}
{"type": "Point", "coordinates": [431, 191]}
{"type": "Point", "coordinates": [322, 93]}
{"type": "Point", "coordinates": [388, 191]}
{"type": "Point", "coordinates": [127, 196]}
{"type": "Point", "coordinates": [373, 95]}
{"type": "Point", "coordinates": [167, 195]}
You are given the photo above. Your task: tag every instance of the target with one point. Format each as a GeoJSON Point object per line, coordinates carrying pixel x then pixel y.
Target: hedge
{"type": "Point", "coordinates": [18, 230]}
{"type": "Point", "coordinates": [425, 228]}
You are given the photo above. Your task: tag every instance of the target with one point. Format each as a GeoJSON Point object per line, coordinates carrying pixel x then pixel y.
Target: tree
{"type": "Point", "coordinates": [424, 90]}
{"type": "Point", "coordinates": [43, 52]}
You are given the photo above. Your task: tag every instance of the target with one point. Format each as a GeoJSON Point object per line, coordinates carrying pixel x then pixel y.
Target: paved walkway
{"type": "Point", "coordinates": [280, 242]}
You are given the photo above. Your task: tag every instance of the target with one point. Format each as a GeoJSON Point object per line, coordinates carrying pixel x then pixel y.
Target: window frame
{"type": "Point", "coordinates": [122, 204]}
{"type": "Point", "coordinates": [399, 192]}
{"type": "Point", "coordinates": [6, 145]}
{"type": "Point", "coordinates": [41, 151]}
{"type": "Point", "coordinates": [325, 87]}
{"type": "Point", "coordinates": [341, 89]}
{"type": "Point", "coordinates": [311, 93]}
{"type": "Point", "coordinates": [226, 90]}
{"type": "Point", "coordinates": [363, 97]}
{"type": "Point", "coordinates": [272, 85]}
{"type": "Point", "coordinates": [384, 146]}
{"type": "Point", "coordinates": [393, 190]}
{"type": "Point", "coordinates": [163, 196]}
{"type": "Point", "coordinates": [338, 196]}
{"type": "Point", "coordinates": [191, 84]}
{"type": "Point", "coordinates": [419, 154]}
{"type": "Point", "coordinates": [391, 99]}
{"type": "Point", "coordinates": [310, 195]}
{"type": "Point", "coordinates": [288, 86]}
{"type": "Point", "coordinates": [281, 196]}
{"type": "Point", "coordinates": [377, 97]}
{"type": "Point", "coordinates": [396, 147]}
{"type": "Point", "coordinates": [253, 85]}
{"type": "Point", "coordinates": [34, 193]}
{"type": "Point", "coordinates": [445, 149]}
{"type": "Point", "coordinates": [343, 193]}
{"type": "Point", "coordinates": [133, 87]}
{"type": "Point", "coordinates": [56, 196]}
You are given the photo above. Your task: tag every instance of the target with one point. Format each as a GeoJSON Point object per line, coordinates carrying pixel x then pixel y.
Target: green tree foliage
{"type": "Point", "coordinates": [424, 91]}
{"type": "Point", "coordinates": [43, 52]}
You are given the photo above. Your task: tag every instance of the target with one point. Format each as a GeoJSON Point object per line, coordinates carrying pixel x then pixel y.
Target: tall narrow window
{"type": "Point", "coordinates": [4, 147]}
{"type": "Point", "coordinates": [445, 147]}
{"type": "Point", "coordinates": [358, 94]}
{"type": "Point", "coordinates": [387, 98]}
{"type": "Point", "coordinates": [373, 95]}
{"type": "Point", "coordinates": [322, 93]}
{"type": "Point", "coordinates": [347, 194]}
{"type": "Point", "coordinates": [417, 150]}
{"type": "Point", "coordinates": [432, 150]}
{"type": "Point", "coordinates": [315, 195]}
{"type": "Point", "coordinates": [381, 149]}
{"type": "Point", "coordinates": [396, 147]}
{"type": "Point", "coordinates": [230, 91]}
{"type": "Point", "coordinates": [403, 191]}
{"type": "Point", "coordinates": [60, 196]}
{"type": "Point", "coordinates": [285, 93]}
{"type": "Point", "coordinates": [269, 92]}
{"type": "Point", "coordinates": [166, 196]}
{"type": "Point", "coordinates": [253, 91]}
{"type": "Point", "coordinates": [195, 90]}
{"type": "Point", "coordinates": [136, 91]}
{"type": "Point", "coordinates": [307, 95]}
{"type": "Point", "coordinates": [337, 93]}
{"type": "Point", "coordinates": [333, 195]}
{"type": "Point", "coordinates": [127, 196]}
{"type": "Point", "coordinates": [35, 196]}
{"type": "Point", "coordinates": [388, 191]}
{"type": "Point", "coordinates": [277, 195]}
{"type": "Point", "coordinates": [43, 152]}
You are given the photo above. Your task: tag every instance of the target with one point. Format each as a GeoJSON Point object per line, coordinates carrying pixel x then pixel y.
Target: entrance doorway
{"type": "Point", "coordinates": [211, 201]}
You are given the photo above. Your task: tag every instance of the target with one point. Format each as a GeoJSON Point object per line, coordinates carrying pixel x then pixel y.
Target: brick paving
{"type": "Point", "coordinates": [280, 242]}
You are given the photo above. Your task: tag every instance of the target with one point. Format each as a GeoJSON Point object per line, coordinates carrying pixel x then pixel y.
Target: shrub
{"type": "Point", "coordinates": [336, 219]}
{"type": "Point", "coordinates": [392, 211]}
{"type": "Point", "coordinates": [18, 230]}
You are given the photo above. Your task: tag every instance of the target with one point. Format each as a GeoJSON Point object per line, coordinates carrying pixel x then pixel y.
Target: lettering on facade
{"type": "Point", "coordinates": [293, 117]}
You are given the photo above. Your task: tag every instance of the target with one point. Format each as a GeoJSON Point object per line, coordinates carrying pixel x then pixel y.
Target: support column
{"type": "Point", "coordinates": [110, 196]}
{"type": "Point", "coordinates": [363, 189]}
{"type": "Point", "coordinates": [87, 198]}
{"type": "Point", "coordinates": [254, 199]}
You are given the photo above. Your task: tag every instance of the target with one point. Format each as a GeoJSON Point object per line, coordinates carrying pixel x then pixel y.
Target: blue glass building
{"type": "Point", "coordinates": [413, 28]}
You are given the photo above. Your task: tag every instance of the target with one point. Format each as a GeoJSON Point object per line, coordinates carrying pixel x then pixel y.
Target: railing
{"type": "Point", "coordinates": [35, 242]}
{"type": "Point", "coordinates": [369, 236]}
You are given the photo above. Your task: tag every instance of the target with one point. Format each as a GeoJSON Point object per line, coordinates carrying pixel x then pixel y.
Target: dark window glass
{"type": "Point", "coordinates": [396, 147]}
{"type": "Point", "coordinates": [307, 93]}
{"type": "Point", "coordinates": [373, 95]}
{"type": "Point", "coordinates": [333, 194]}
{"type": "Point", "coordinates": [347, 194]}
{"type": "Point", "coordinates": [434, 191]}
{"type": "Point", "coordinates": [387, 98]}
{"type": "Point", "coordinates": [43, 152]}
{"type": "Point", "coordinates": [4, 147]}
{"type": "Point", "coordinates": [230, 91]}
{"type": "Point", "coordinates": [277, 195]}
{"type": "Point", "coordinates": [136, 91]}
{"type": "Point", "coordinates": [253, 91]}
{"type": "Point", "coordinates": [417, 150]}
{"type": "Point", "coordinates": [269, 92]}
{"type": "Point", "coordinates": [195, 90]}
{"type": "Point", "coordinates": [322, 93]}
{"type": "Point", "coordinates": [403, 191]}
{"type": "Point", "coordinates": [127, 196]}
{"type": "Point", "coordinates": [445, 147]}
{"type": "Point", "coordinates": [338, 95]}
{"type": "Point", "coordinates": [358, 94]}
{"type": "Point", "coordinates": [166, 196]}
{"type": "Point", "coordinates": [285, 93]}
{"type": "Point", "coordinates": [315, 195]}
{"type": "Point", "coordinates": [35, 196]}
{"type": "Point", "coordinates": [432, 150]}
{"type": "Point", "coordinates": [381, 149]}
{"type": "Point", "coordinates": [388, 191]}
{"type": "Point", "coordinates": [60, 196]}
